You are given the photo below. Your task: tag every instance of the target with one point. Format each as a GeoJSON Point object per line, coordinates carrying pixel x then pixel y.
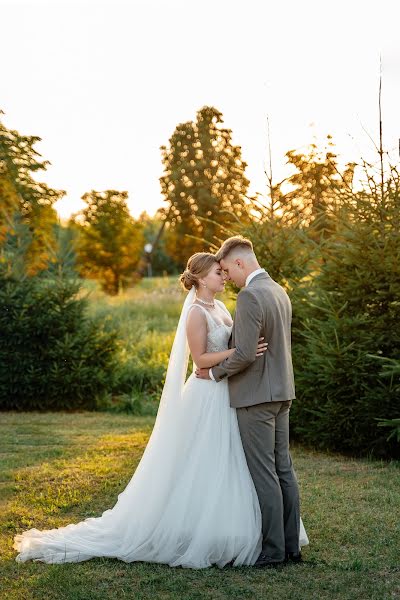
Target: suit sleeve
{"type": "Point", "coordinates": [248, 323]}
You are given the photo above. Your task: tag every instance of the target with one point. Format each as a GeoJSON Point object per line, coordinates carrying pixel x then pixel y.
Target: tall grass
{"type": "Point", "coordinates": [145, 318]}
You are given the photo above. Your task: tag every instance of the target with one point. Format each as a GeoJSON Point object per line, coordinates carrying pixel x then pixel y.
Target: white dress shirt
{"type": "Point", "coordinates": [248, 279]}
{"type": "Point", "coordinates": [253, 274]}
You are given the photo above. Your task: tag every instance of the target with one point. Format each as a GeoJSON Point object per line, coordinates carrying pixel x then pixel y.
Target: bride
{"type": "Point", "coordinates": [191, 501]}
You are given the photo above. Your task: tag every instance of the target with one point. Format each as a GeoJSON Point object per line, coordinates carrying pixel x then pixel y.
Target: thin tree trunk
{"type": "Point", "coordinates": [381, 132]}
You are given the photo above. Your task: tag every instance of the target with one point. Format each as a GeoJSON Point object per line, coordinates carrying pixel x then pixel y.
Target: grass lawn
{"type": "Point", "coordinates": [60, 468]}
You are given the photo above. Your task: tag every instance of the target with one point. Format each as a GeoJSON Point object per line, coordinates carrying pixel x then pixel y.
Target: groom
{"type": "Point", "coordinates": [262, 390]}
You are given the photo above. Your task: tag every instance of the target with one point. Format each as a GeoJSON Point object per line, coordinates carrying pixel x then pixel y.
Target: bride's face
{"type": "Point", "coordinates": [215, 279]}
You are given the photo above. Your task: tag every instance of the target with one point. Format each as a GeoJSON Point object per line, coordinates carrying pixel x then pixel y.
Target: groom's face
{"type": "Point", "coordinates": [233, 269]}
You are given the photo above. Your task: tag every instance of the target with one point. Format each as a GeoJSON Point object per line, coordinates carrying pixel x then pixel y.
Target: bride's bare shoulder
{"type": "Point", "coordinates": [196, 328]}
{"type": "Point", "coordinates": [197, 317]}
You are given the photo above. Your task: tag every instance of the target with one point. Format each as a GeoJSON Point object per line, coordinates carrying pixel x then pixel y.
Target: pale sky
{"type": "Point", "coordinates": [104, 83]}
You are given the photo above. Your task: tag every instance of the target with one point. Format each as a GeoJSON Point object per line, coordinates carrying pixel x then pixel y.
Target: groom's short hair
{"type": "Point", "coordinates": [235, 242]}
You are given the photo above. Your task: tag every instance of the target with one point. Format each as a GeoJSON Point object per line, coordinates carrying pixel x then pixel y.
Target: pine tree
{"type": "Point", "coordinates": [53, 356]}
{"type": "Point", "coordinates": [350, 312]}
{"type": "Point", "coordinates": [317, 187]}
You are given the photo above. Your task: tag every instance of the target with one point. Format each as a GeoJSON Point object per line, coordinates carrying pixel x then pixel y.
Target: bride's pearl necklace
{"type": "Point", "coordinates": [205, 302]}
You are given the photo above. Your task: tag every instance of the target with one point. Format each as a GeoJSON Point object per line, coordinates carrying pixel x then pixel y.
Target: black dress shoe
{"type": "Point", "coordinates": [294, 557]}
{"type": "Point", "coordinates": [267, 562]}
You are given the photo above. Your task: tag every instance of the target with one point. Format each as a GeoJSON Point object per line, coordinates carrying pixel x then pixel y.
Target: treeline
{"type": "Point", "coordinates": [203, 184]}
{"type": "Point", "coordinates": [329, 236]}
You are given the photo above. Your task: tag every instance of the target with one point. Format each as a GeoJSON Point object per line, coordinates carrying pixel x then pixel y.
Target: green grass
{"type": "Point", "coordinates": [61, 468]}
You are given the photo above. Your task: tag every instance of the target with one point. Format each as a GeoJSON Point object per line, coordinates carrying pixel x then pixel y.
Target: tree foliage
{"type": "Point", "coordinates": [21, 194]}
{"type": "Point", "coordinates": [159, 234]}
{"type": "Point", "coordinates": [317, 186]}
{"type": "Point", "coordinates": [204, 182]}
{"type": "Point", "coordinates": [110, 242]}
{"type": "Point", "coordinates": [348, 315]}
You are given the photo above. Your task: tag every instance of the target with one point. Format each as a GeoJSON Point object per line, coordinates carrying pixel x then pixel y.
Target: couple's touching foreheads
{"type": "Point", "coordinates": [216, 483]}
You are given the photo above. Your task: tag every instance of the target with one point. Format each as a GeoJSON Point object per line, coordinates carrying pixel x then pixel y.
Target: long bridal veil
{"type": "Point", "coordinates": [129, 529]}
{"type": "Point", "coordinates": [175, 377]}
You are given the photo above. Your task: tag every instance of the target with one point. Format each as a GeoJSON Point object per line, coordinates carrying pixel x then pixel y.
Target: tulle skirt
{"type": "Point", "coordinates": [191, 501]}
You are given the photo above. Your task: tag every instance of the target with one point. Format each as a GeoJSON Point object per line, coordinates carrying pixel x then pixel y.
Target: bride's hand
{"type": "Point", "coordinates": [262, 347]}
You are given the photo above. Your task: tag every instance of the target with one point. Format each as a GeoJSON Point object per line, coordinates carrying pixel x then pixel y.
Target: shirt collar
{"type": "Point", "coordinates": [253, 274]}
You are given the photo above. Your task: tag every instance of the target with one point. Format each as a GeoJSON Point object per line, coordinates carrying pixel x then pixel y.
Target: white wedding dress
{"type": "Point", "coordinates": [191, 501]}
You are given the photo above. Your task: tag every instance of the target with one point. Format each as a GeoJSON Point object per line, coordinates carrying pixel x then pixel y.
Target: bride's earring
{"type": "Point", "coordinates": [204, 285]}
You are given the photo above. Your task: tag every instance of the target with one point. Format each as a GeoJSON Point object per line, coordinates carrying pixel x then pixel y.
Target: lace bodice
{"type": "Point", "coordinates": [218, 334]}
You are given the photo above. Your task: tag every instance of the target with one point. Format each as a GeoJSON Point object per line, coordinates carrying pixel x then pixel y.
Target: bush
{"type": "Point", "coordinates": [340, 391]}
{"type": "Point", "coordinates": [347, 322]}
{"type": "Point", "coordinates": [52, 354]}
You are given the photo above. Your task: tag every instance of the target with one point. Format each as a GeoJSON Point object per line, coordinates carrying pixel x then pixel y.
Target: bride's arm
{"type": "Point", "coordinates": [210, 359]}
{"type": "Point", "coordinates": [196, 330]}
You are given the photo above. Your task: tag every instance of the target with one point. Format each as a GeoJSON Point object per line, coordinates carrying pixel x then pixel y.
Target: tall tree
{"type": "Point", "coordinates": [23, 197]}
{"type": "Point", "coordinates": [204, 182]}
{"type": "Point", "coordinates": [317, 186]}
{"type": "Point", "coordinates": [109, 242]}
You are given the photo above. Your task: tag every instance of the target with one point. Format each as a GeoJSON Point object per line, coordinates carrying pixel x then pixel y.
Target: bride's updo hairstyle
{"type": "Point", "coordinates": [198, 266]}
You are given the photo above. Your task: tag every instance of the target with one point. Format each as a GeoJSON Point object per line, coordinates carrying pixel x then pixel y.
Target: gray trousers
{"type": "Point", "coordinates": [264, 430]}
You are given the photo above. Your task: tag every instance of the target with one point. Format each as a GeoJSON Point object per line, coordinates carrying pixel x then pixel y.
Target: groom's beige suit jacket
{"type": "Point", "coordinates": [263, 309]}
